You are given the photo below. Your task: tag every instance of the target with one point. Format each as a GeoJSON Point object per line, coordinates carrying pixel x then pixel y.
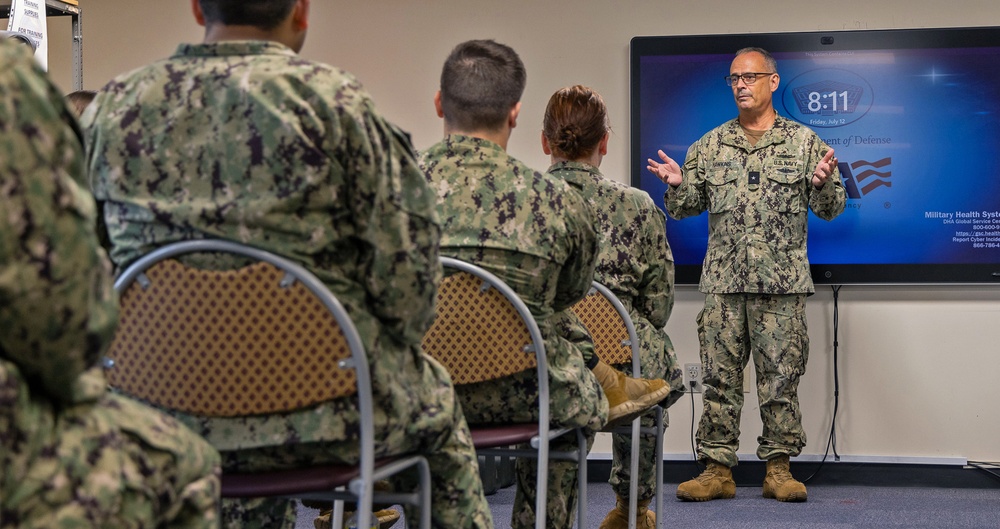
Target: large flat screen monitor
{"type": "Point", "coordinates": [914, 116]}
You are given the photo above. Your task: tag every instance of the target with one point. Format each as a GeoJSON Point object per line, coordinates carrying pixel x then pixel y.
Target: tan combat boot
{"type": "Point", "coordinates": [628, 397]}
{"type": "Point", "coordinates": [715, 482]}
{"type": "Point", "coordinates": [779, 483]}
{"type": "Point", "coordinates": [385, 518]}
{"type": "Point", "coordinates": [617, 518]}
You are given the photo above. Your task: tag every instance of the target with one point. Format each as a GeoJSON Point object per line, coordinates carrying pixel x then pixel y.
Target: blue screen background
{"type": "Point", "coordinates": [930, 124]}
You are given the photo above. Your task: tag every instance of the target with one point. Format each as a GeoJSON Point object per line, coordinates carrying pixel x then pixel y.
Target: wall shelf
{"type": "Point", "coordinates": [60, 8]}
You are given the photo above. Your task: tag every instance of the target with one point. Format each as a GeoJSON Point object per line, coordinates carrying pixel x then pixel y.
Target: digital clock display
{"type": "Point", "coordinates": [826, 97]}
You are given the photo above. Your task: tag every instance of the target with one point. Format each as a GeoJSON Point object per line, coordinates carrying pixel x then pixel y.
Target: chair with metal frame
{"type": "Point", "coordinates": [616, 342]}
{"type": "Point", "coordinates": [484, 331]}
{"type": "Point", "coordinates": [268, 337]}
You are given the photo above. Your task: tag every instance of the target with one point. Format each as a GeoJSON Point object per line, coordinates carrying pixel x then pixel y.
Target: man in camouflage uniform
{"type": "Point", "coordinates": [537, 235]}
{"type": "Point", "coordinates": [239, 138]}
{"type": "Point", "coordinates": [72, 454]}
{"type": "Point", "coordinates": [758, 176]}
{"type": "Point", "coordinates": [634, 262]}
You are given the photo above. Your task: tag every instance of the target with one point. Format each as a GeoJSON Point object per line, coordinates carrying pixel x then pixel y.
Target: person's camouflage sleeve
{"type": "Point", "coordinates": [757, 226]}
{"type": "Point", "coordinates": [829, 200]}
{"type": "Point", "coordinates": [577, 272]}
{"type": "Point", "coordinates": [72, 455]}
{"type": "Point", "coordinates": [95, 465]}
{"type": "Point", "coordinates": [57, 308]}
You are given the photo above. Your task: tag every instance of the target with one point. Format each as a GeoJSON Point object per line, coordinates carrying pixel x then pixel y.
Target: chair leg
{"type": "Point", "coordinates": [581, 441]}
{"type": "Point", "coordinates": [542, 484]}
{"type": "Point", "coordinates": [505, 471]}
{"type": "Point", "coordinates": [658, 490]}
{"type": "Point", "coordinates": [425, 494]}
{"type": "Point", "coordinates": [337, 516]}
{"type": "Point", "coordinates": [488, 474]}
{"type": "Point", "coordinates": [633, 487]}
{"type": "Point", "coordinates": [363, 512]}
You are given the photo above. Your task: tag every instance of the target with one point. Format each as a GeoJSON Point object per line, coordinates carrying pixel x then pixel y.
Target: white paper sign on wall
{"type": "Point", "coordinates": [28, 18]}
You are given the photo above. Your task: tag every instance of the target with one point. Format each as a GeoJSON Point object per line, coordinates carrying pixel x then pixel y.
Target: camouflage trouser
{"type": "Point", "coordinates": [515, 399]}
{"type": "Point", "coordinates": [771, 329]}
{"type": "Point", "coordinates": [576, 400]}
{"type": "Point", "coordinates": [109, 463]}
{"type": "Point", "coordinates": [656, 360]}
{"type": "Point", "coordinates": [621, 452]}
{"type": "Point", "coordinates": [457, 498]}
{"type": "Point", "coordinates": [561, 497]}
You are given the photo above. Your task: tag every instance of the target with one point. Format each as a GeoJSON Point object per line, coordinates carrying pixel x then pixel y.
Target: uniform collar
{"type": "Point", "coordinates": [734, 136]}
{"type": "Point", "coordinates": [461, 139]}
{"type": "Point", "coordinates": [577, 174]}
{"type": "Point", "coordinates": [234, 47]}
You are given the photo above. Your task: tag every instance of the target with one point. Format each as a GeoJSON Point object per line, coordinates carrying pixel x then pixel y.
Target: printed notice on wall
{"type": "Point", "coordinates": [28, 18]}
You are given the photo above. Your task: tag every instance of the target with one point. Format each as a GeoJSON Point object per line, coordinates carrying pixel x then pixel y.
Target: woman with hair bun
{"type": "Point", "coordinates": [635, 262]}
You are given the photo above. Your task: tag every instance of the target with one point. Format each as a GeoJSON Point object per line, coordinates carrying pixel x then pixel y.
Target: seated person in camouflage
{"type": "Point", "coordinates": [634, 262]}
{"type": "Point", "coordinates": [72, 454]}
{"type": "Point", "coordinates": [537, 234]}
{"type": "Point", "coordinates": [239, 138]}
{"type": "Point", "coordinates": [79, 99]}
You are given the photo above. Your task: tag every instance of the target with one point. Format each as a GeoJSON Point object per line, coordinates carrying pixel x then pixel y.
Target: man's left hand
{"type": "Point", "coordinates": [824, 169]}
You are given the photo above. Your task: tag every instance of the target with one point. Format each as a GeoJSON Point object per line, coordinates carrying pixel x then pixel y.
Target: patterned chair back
{"type": "Point", "coordinates": [477, 333]}
{"type": "Point", "coordinates": [248, 341]}
{"type": "Point", "coordinates": [607, 326]}
{"type": "Point", "coordinates": [265, 338]}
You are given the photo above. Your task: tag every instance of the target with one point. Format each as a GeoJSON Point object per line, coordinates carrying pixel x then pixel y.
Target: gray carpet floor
{"type": "Point", "coordinates": [829, 507]}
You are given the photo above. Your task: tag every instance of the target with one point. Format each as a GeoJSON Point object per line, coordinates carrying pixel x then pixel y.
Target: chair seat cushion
{"type": "Point", "coordinates": [496, 435]}
{"type": "Point", "coordinates": [290, 482]}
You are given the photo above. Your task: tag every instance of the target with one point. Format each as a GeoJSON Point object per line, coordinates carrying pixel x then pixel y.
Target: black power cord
{"type": "Point", "coordinates": [694, 451]}
{"type": "Point", "coordinates": [832, 440]}
{"type": "Point", "coordinates": [986, 467]}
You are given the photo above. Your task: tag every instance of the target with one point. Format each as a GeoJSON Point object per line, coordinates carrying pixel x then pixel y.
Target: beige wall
{"type": "Point", "coordinates": [918, 368]}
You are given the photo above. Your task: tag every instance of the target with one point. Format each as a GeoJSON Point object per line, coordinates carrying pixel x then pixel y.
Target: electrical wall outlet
{"type": "Point", "coordinates": [692, 373]}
